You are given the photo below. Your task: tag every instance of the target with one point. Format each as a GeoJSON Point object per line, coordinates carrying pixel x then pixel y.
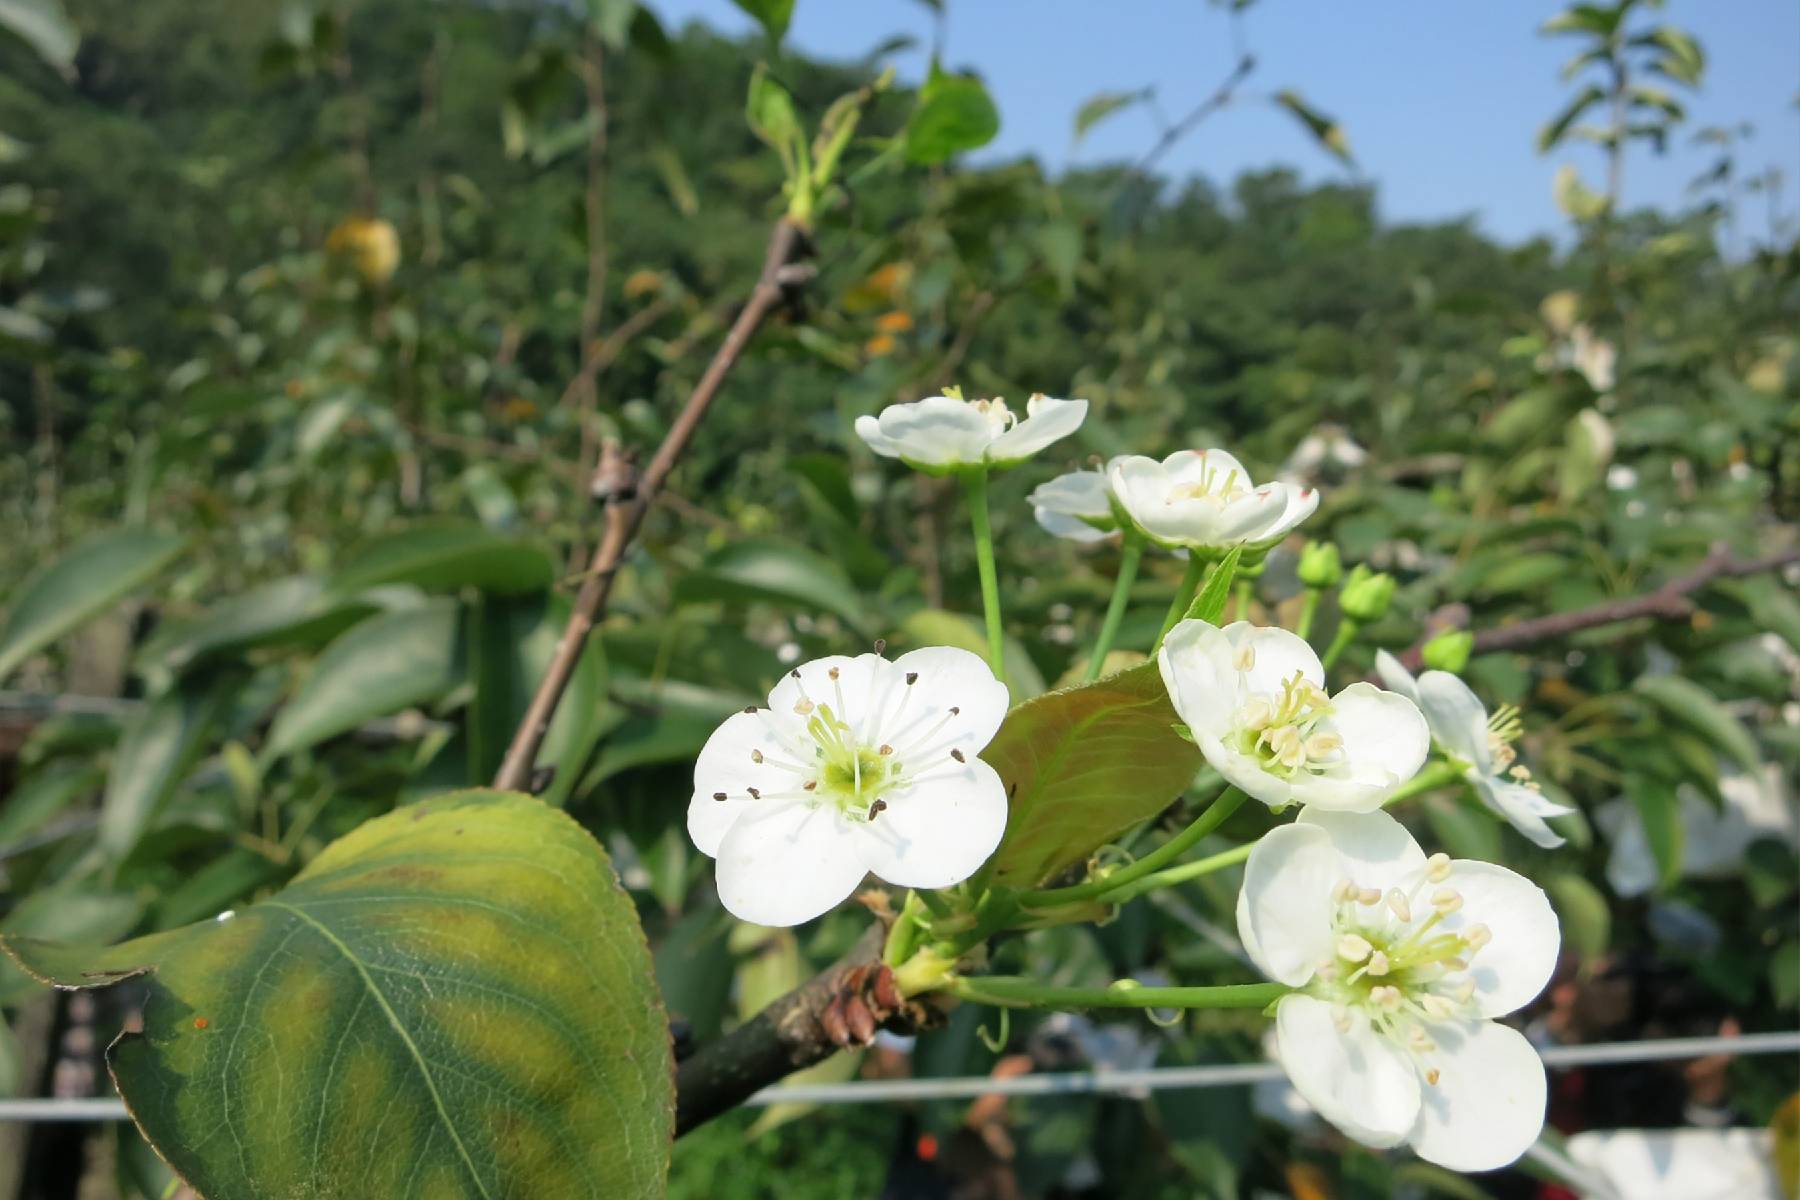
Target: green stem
{"type": "Point", "coordinates": [1435, 775]}
{"type": "Point", "coordinates": [1162, 856]}
{"type": "Point", "coordinates": [975, 486]}
{"type": "Point", "coordinates": [1346, 633]}
{"type": "Point", "coordinates": [1129, 555]}
{"type": "Point", "coordinates": [1184, 595]}
{"type": "Point", "coordinates": [1011, 991]}
{"type": "Point", "coordinates": [1240, 602]}
{"type": "Point", "coordinates": [903, 937]}
{"type": "Point", "coordinates": [1171, 876]}
{"type": "Point", "coordinates": [1308, 611]}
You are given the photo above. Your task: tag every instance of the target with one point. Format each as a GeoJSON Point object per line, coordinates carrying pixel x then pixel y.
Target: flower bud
{"type": "Point", "coordinates": [1366, 594]}
{"type": "Point", "coordinates": [1449, 650]}
{"type": "Point", "coordinates": [1320, 566]}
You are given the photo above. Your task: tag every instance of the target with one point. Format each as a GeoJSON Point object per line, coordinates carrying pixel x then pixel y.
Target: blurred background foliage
{"type": "Point", "coordinates": [294, 310]}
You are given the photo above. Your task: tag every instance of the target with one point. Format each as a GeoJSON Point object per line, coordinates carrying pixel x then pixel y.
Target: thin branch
{"type": "Point", "coordinates": [627, 497]}
{"type": "Point", "coordinates": [602, 354]}
{"type": "Point", "coordinates": [1669, 603]}
{"type": "Point", "coordinates": [1221, 96]}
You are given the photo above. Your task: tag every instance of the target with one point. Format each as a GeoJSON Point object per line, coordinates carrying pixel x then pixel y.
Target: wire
{"type": "Point", "coordinates": [882, 1091]}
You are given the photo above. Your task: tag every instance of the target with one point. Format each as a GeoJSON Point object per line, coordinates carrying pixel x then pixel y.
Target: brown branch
{"type": "Point", "coordinates": [602, 354]}
{"type": "Point", "coordinates": [627, 498]}
{"type": "Point", "coordinates": [1669, 603]}
{"type": "Point", "coordinates": [787, 1036]}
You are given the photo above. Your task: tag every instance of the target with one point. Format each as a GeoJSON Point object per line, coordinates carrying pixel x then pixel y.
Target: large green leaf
{"type": "Point", "coordinates": [1660, 809]}
{"type": "Point", "coordinates": [159, 744]}
{"type": "Point", "coordinates": [43, 796]}
{"type": "Point", "coordinates": [955, 114]}
{"type": "Point", "coordinates": [765, 569]}
{"type": "Point", "coordinates": [379, 667]}
{"type": "Point", "coordinates": [1084, 764]}
{"type": "Point", "coordinates": [772, 15]}
{"type": "Point", "coordinates": [297, 609]}
{"type": "Point", "coordinates": [445, 556]}
{"type": "Point", "coordinates": [1691, 705]}
{"type": "Point", "coordinates": [79, 586]}
{"type": "Point", "coordinates": [454, 1000]}
{"type": "Point", "coordinates": [74, 912]}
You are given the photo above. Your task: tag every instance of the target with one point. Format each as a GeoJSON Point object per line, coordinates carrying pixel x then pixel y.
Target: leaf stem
{"type": "Point", "coordinates": [975, 487]}
{"type": "Point", "coordinates": [1012, 991]}
{"type": "Point", "coordinates": [1209, 820]}
{"type": "Point", "coordinates": [1129, 554]}
{"type": "Point", "coordinates": [1170, 876]}
{"type": "Point", "coordinates": [1184, 595]}
{"type": "Point", "coordinates": [1434, 775]}
{"type": "Point", "coordinates": [1346, 633]}
{"type": "Point", "coordinates": [1240, 602]}
{"type": "Point", "coordinates": [1308, 610]}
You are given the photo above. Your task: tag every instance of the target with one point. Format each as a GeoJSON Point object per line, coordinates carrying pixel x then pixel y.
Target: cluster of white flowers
{"type": "Point", "coordinates": [1399, 962]}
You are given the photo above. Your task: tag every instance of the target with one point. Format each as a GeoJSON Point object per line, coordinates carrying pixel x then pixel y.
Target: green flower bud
{"type": "Point", "coordinates": [1449, 650]}
{"type": "Point", "coordinates": [1366, 594]}
{"type": "Point", "coordinates": [1320, 566]}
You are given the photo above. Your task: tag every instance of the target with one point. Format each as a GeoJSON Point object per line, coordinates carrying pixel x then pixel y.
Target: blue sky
{"type": "Point", "coordinates": [1441, 99]}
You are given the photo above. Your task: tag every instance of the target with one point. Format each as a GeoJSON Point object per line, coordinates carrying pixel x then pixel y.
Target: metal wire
{"type": "Point", "coordinates": [884, 1091]}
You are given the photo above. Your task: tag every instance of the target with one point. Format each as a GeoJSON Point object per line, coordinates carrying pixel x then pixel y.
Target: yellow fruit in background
{"type": "Point", "coordinates": [894, 322]}
{"type": "Point", "coordinates": [371, 244]}
{"type": "Point", "coordinates": [879, 345]}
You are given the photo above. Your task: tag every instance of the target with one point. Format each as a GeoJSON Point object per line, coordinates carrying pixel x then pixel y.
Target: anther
{"type": "Point", "coordinates": [912, 677]}
{"type": "Point", "coordinates": [803, 706]}
{"type": "Point", "coordinates": [1369, 897]}
{"type": "Point", "coordinates": [718, 795]}
{"type": "Point", "coordinates": [885, 750]}
{"type": "Point", "coordinates": [954, 711]}
{"type": "Point", "coordinates": [754, 794]}
{"type": "Point", "coordinates": [1478, 936]}
{"type": "Point", "coordinates": [1340, 1018]}
{"type": "Point", "coordinates": [1245, 658]}
{"type": "Point", "coordinates": [1420, 1041]}
{"type": "Point", "coordinates": [1344, 892]}
{"type": "Point", "coordinates": [809, 785]}
{"type": "Point", "coordinates": [795, 672]}
{"type": "Point", "coordinates": [1446, 900]}
{"type": "Point", "coordinates": [1353, 947]}
{"type": "Point", "coordinates": [1432, 1076]}
{"type": "Point", "coordinates": [1396, 900]}
{"type": "Point", "coordinates": [880, 806]}
{"type": "Point", "coordinates": [958, 756]}
{"type": "Point", "coordinates": [1437, 867]}
{"type": "Point", "coordinates": [756, 756]}
{"type": "Point", "coordinates": [1378, 963]}
{"type": "Point", "coordinates": [750, 710]}
{"type": "Point", "coordinates": [1386, 997]}
{"type": "Point", "coordinates": [1437, 1008]}
{"type": "Point", "coordinates": [881, 645]}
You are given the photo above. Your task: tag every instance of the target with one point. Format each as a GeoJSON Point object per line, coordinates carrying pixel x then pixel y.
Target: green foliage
{"type": "Point", "coordinates": [955, 115]}
{"type": "Point", "coordinates": [303, 1008]}
{"type": "Point", "coordinates": [79, 586]}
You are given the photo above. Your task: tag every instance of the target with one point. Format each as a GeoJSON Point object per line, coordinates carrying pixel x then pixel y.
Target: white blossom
{"type": "Point", "coordinates": [1077, 505]}
{"type": "Point", "coordinates": [1255, 703]}
{"type": "Point", "coordinates": [1680, 1164]}
{"type": "Point", "coordinates": [1205, 500]}
{"type": "Point", "coordinates": [1401, 962]}
{"type": "Point", "coordinates": [1714, 838]}
{"type": "Point", "coordinates": [1462, 726]}
{"type": "Point", "coordinates": [941, 434]}
{"type": "Point", "coordinates": [857, 765]}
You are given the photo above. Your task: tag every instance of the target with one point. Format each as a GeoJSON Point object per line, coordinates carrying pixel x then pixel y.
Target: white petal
{"type": "Point", "coordinates": [1395, 677]}
{"type": "Point", "coordinates": [1302, 502]}
{"type": "Point", "coordinates": [1196, 665]}
{"type": "Point", "coordinates": [869, 430]}
{"type": "Point", "coordinates": [1074, 528]}
{"type": "Point", "coordinates": [1244, 772]}
{"type": "Point", "coordinates": [1285, 917]}
{"type": "Point", "coordinates": [1276, 655]}
{"type": "Point", "coordinates": [1487, 1107]}
{"type": "Point", "coordinates": [1141, 487]}
{"type": "Point", "coordinates": [1249, 518]}
{"type": "Point", "coordinates": [1523, 808]}
{"type": "Point", "coordinates": [1513, 968]}
{"type": "Point", "coordinates": [1357, 1080]}
{"type": "Point", "coordinates": [787, 863]}
{"type": "Point", "coordinates": [726, 765]}
{"type": "Point", "coordinates": [1202, 466]}
{"type": "Point", "coordinates": [1385, 737]}
{"type": "Point", "coordinates": [937, 430]}
{"type": "Point", "coordinates": [1048, 421]}
{"type": "Point", "coordinates": [916, 718]}
{"type": "Point", "coordinates": [1457, 718]}
{"type": "Point", "coordinates": [1076, 494]}
{"type": "Point", "coordinates": [940, 831]}
{"type": "Point", "coordinates": [1375, 850]}
{"type": "Point", "coordinates": [858, 680]}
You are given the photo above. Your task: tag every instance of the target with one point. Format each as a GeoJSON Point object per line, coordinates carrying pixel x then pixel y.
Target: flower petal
{"type": "Point", "coordinates": [1075, 494]}
{"type": "Point", "coordinates": [1356, 1080]}
{"type": "Point", "coordinates": [1211, 465]}
{"type": "Point", "coordinates": [1385, 737]}
{"type": "Point", "coordinates": [940, 831]}
{"type": "Point", "coordinates": [726, 765]}
{"type": "Point", "coordinates": [1523, 808]}
{"type": "Point", "coordinates": [1074, 528]}
{"type": "Point", "coordinates": [916, 718]}
{"type": "Point", "coordinates": [1374, 849]}
{"type": "Point", "coordinates": [1276, 654]}
{"type": "Point", "coordinates": [1284, 919]}
{"type": "Point", "coordinates": [1513, 968]}
{"type": "Point", "coordinates": [869, 430]}
{"type": "Point", "coordinates": [1457, 718]}
{"type": "Point", "coordinates": [1487, 1107]}
{"type": "Point", "coordinates": [1395, 677]}
{"type": "Point", "coordinates": [857, 680]}
{"type": "Point", "coordinates": [937, 431]}
{"type": "Point", "coordinates": [1047, 420]}
{"type": "Point", "coordinates": [1141, 487]}
{"type": "Point", "coordinates": [783, 864]}
{"type": "Point", "coordinates": [1195, 663]}
{"type": "Point", "coordinates": [1302, 502]}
